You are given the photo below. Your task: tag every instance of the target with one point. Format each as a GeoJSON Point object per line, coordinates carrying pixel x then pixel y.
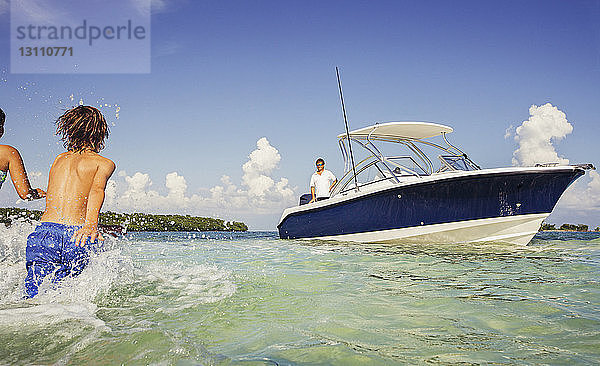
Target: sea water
{"type": "Point", "coordinates": [215, 298]}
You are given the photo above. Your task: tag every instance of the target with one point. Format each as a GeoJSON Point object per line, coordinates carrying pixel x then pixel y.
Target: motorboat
{"type": "Point", "coordinates": [427, 190]}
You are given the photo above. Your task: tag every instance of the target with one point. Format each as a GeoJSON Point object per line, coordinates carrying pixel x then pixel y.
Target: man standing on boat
{"type": "Point", "coordinates": [321, 182]}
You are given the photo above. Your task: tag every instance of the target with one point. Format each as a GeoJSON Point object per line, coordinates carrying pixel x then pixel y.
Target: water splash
{"type": "Point", "coordinates": [48, 106]}
{"type": "Point", "coordinates": [105, 268]}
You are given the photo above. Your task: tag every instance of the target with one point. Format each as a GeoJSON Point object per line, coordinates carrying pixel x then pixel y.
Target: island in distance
{"type": "Point", "coordinates": [138, 221]}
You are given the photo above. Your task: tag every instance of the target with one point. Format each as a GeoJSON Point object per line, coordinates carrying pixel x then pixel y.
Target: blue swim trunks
{"type": "Point", "coordinates": [51, 252]}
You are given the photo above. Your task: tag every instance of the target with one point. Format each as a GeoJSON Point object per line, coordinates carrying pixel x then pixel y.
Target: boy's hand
{"type": "Point", "coordinates": [35, 194]}
{"type": "Point", "coordinates": [87, 231]}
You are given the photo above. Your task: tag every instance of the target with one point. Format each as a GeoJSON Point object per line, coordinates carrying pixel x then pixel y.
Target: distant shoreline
{"type": "Point", "coordinates": [135, 222]}
{"type": "Point", "coordinates": [567, 231]}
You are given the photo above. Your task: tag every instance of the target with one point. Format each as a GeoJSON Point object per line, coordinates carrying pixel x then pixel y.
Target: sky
{"type": "Point", "coordinates": [242, 97]}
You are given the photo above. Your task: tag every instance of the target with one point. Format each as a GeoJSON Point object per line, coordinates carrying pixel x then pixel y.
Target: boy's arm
{"type": "Point", "coordinates": [94, 204]}
{"type": "Point", "coordinates": [19, 178]}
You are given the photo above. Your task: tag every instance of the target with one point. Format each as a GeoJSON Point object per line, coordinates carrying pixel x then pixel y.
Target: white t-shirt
{"type": "Point", "coordinates": [322, 182]}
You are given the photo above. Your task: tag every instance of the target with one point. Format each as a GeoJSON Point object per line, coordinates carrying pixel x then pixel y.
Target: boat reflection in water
{"type": "Point", "coordinates": [408, 197]}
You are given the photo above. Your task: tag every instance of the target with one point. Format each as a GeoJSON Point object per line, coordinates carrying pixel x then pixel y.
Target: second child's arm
{"type": "Point", "coordinates": [19, 178]}
{"type": "Point", "coordinates": [94, 204]}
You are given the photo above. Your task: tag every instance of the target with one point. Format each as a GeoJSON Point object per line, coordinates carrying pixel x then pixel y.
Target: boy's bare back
{"type": "Point", "coordinates": [76, 187]}
{"type": "Point", "coordinates": [78, 177]}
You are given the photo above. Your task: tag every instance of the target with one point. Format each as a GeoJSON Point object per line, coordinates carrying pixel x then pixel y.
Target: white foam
{"type": "Point", "coordinates": [184, 284]}
{"type": "Point", "coordinates": [11, 283]}
{"type": "Point", "coordinates": [187, 285]}
{"type": "Point", "coordinates": [48, 314]}
{"type": "Point", "coordinates": [13, 240]}
{"type": "Point", "coordinates": [104, 270]}
{"type": "Point", "coordinates": [69, 299]}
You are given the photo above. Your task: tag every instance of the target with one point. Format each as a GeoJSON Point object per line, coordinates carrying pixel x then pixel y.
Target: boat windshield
{"type": "Point", "coordinates": [377, 165]}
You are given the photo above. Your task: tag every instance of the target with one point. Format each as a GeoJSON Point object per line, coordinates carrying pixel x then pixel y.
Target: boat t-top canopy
{"type": "Point", "coordinates": [413, 136]}
{"type": "Point", "coordinates": [399, 130]}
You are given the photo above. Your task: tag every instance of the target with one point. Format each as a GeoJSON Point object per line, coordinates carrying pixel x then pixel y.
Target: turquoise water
{"type": "Point", "coordinates": [252, 299]}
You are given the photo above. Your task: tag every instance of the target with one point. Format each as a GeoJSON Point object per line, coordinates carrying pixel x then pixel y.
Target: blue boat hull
{"type": "Point", "coordinates": [447, 200]}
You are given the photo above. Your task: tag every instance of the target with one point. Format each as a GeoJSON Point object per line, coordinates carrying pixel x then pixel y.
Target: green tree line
{"type": "Point", "coordinates": [566, 227]}
{"type": "Point", "coordinates": [139, 221]}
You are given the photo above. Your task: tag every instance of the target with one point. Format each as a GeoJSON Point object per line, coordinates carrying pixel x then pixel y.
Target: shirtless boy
{"type": "Point", "coordinates": [60, 245]}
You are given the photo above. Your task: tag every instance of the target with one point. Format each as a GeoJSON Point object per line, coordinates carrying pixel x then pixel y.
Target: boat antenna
{"type": "Point", "coordinates": [337, 71]}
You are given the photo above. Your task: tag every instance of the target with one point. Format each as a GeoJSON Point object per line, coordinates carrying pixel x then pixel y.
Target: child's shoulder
{"type": "Point", "coordinates": [97, 162]}
{"type": "Point", "coordinates": [103, 158]}
{"type": "Point", "coordinates": [105, 162]}
{"type": "Point", "coordinates": [7, 149]}
{"type": "Point", "coordinates": [88, 158]}
{"type": "Point", "coordinates": [9, 153]}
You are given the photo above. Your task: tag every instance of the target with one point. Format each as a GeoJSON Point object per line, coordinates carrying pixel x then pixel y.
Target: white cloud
{"type": "Point", "coordinates": [545, 126]}
{"type": "Point", "coordinates": [258, 193]}
{"type": "Point", "coordinates": [536, 137]}
{"type": "Point", "coordinates": [176, 185]}
{"type": "Point", "coordinates": [580, 204]}
{"type": "Point", "coordinates": [509, 132]}
{"type": "Point", "coordinates": [582, 196]}
{"type": "Point", "coordinates": [262, 161]}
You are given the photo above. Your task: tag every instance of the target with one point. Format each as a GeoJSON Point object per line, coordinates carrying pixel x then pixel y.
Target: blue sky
{"type": "Point", "coordinates": [225, 74]}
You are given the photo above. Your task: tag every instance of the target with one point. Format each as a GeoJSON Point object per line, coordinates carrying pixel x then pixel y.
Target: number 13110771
{"type": "Point", "coordinates": [46, 51]}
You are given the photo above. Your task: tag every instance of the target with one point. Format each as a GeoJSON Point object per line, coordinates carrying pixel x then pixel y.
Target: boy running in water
{"type": "Point", "coordinates": [60, 244]}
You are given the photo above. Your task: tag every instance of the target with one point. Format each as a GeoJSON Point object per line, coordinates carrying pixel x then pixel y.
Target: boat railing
{"type": "Point", "coordinates": [455, 163]}
{"type": "Point", "coordinates": [375, 169]}
{"type": "Point", "coordinates": [546, 165]}
{"type": "Point", "coordinates": [394, 168]}
{"type": "Point", "coordinates": [403, 169]}
{"type": "Point", "coordinates": [349, 174]}
{"type": "Point", "coordinates": [347, 184]}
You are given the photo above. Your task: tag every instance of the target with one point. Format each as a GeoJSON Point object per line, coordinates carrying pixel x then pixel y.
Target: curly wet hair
{"type": "Point", "coordinates": [82, 128]}
{"type": "Point", "coordinates": [2, 117]}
